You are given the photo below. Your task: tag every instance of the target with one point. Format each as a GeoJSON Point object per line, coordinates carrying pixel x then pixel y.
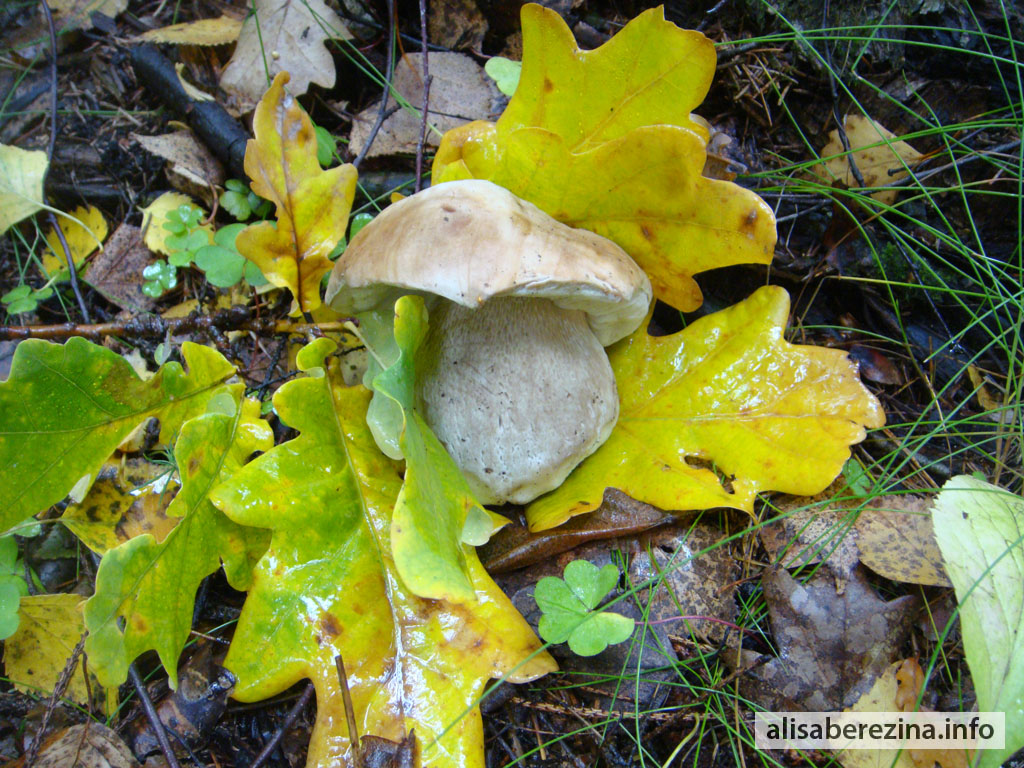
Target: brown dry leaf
{"type": "Point", "coordinates": [89, 745]}
{"type": "Point", "coordinates": [459, 92]}
{"type": "Point", "coordinates": [191, 168]}
{"type": "Point", "coordinates": [896, 540]}
{"type": "Point", "coordinates": [219, 31]}
{"type": "Point", "coordinates": [116, 272]}
{"type": "Point", "coordinates": [126, 501]}
{"type": "Point", "coordinates": [875, 151]}
{"type": "Point", "coordinates": [283, 36]}
{"type": "Point", "coordinates": [985, 397]}
{"type": "Point", "coordinates": [831, 647]}
{"type": "Point", "coordinates": [456, 24]}
{"type": "Point", "coordinates": [689, 581]}
{"type": "Point", "coordinates": [619, 515]}
{"type": "Point", "coordinates": [77, 14]}
{"type": "Point", "coordinates": [811, 531]}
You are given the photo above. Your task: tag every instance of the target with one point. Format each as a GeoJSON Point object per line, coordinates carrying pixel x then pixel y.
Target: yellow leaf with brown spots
{"type": "Point", "coordinates": [328, 586]}
{"type": "Point", "coordinates": [127, 499]}
{"type": "Point", "coordinates": [604, 140]}
{"type": "Point", "coordinates": [714, 414]}
{"type": "Point", "coordinates": [312, 204]}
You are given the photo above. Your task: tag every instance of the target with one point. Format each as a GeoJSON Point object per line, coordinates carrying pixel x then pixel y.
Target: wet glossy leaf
{"type": "Point", "coordinates": [164, 211]}
{"type": "Point", "coordinates": [978, 528]}
{"type": "Point", "coordinates": [152, 584]}
{"type": "Point", "coordinates": [312, 204]}
{"type": "Point", "coordinates": [728, 391]}
{"type": "Point", "coordinates": [65, 408]}
{"type": "Point", "coordinates": [328, 586]}
{"type": "Point", "coordinates": [432, 507]}
{"type": "Point", "coordinates": [604, 140]}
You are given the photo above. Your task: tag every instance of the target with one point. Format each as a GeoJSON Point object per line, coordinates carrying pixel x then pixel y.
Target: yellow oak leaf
{"type": "Point", "coordinates": [328, 586]}
{"type": "Point", "coordinates": [605, 140]}
{"type": "Point", "coordinates": [21, 184]}
{"type": "Point", "coordinates": [650, 73]}
{"type": "Point", "coordinates": [83, 237]}
{"type": "Point", "coordinates": [312, 204]}
{"type": "Point", "coordinates": [730, 393]}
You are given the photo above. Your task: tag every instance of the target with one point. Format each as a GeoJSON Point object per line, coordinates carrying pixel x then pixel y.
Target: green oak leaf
{"type": "Point", "coordinates": [328, 587]}
{"type": "Point", "coordinates": [568, 609]}
{"type": "Point", "coordinates": [431, 511]}
{"type": "Point", "coordinates": [152, 584]}
{"type": "Point", "coordinates": [65, 408]}
{"type": "Point", "coordinates": [979, 528]}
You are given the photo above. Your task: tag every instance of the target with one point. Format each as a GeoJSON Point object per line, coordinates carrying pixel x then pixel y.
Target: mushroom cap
{"type": "Point", "coordinates": [471, 241]}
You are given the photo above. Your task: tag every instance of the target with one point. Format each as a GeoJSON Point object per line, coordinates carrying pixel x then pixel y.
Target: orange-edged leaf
{"type": "Point", "coordinates": [644, 191]}
{"type": "Point", "coordinates": [152, 584]}
{"type": "Point", "coordinates": [604, 140]}
{"type": "Point", "coordinates": [728, 392]}
{"type": "Point", "coordinates": [312, 204]}
{"type": "Point", "coordinates": [652, 72]}
{"type": "Point", "coordinates": [328, 586]}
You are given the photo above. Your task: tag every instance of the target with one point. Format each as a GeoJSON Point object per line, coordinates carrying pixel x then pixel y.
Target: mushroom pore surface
{"type": "Point", "coordinates": [518, 390]}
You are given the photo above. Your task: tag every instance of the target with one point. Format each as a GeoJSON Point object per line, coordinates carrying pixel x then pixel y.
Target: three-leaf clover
{"type": "Point", "coordinates": [24, 298]}
{"type": "Point", "coordinates": [241, 202]}
{"type": "Point", "coordinates": [186, 235]}
{"type": "Point", "coordinates": [160, 277]}
{"type": "Point", "coordinates": [223, 264]}
{"type": "Point", "coordinates": [568, 609]}
{"type": "Point", "coordinates": [12, 586]}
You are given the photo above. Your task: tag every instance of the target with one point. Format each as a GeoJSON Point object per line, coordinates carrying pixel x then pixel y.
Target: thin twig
{"type": "Point", "coordinates": [389, 73]}
{"type": "Point", "coordinates": [154, 719]}
{"type": "Point", "coordinates": [350, 713]}
{"type": "Point", "coordinates": [49, 160]}
{"type": "Point", "coordinates": [58, 690]}
{"type": "Point", "coordinates": [289, 720]}
{"type": "Point", "coordinates": [426, 98]}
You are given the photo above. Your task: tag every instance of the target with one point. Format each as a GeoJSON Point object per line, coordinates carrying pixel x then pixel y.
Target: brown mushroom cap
{"type": "Point", "coordinates": [471, 241]}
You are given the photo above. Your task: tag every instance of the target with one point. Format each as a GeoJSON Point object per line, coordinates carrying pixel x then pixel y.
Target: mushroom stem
{"type": "Point", "coordinates": [518, 390]}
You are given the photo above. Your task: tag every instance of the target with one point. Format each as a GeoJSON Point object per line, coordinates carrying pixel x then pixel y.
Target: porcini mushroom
{"type": "Point", "coordinates": [512, 376]}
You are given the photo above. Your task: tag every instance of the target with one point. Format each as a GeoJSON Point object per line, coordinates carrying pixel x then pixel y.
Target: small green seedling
{"type": "Point", "coordinates": [569, 613]}
{"type": "Point", "coordinates": [241, 202]}
{"type": "Point", "coordinates": [160, 277]}
{"type": "Point", "coordinates": [359, 221]}
{"type": "Point", "coordinates": [12, 586]}
{"type": "Point", "coordinates": [223, 264]}
{"type": "Point", "coordinates": [25, 298]}
{"type": "Point", "coordinates": [186, 235]}
{"type": "Point", "coordinates": [326, 145]}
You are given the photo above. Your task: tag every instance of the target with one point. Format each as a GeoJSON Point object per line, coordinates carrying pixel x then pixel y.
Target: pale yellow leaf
{"type": "Point", "coordinates": [77, 14]}
{"type": "Point", "coordinates": [154, 216]}
{"type": "Point", "coordinates": [21, 184]}
{"type": "Point", "coordinates": [283, 36]}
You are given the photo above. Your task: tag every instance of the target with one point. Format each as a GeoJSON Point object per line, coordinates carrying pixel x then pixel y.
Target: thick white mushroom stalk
{"type": "Point", "coordinates": [512, 376]}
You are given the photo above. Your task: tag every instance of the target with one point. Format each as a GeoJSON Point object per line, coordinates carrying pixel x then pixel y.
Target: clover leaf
{"type": "Point", "coordinates": [12, 586]}
{"type": "Point", "coordinates": [568, 609]}
{"type": "Point", "coordinates": [223, 264]}
{"type": "Point", "coordinates": [160, 277]}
